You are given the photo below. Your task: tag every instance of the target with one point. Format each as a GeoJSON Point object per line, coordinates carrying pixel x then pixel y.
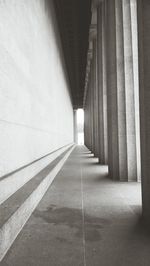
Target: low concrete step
{"type": "Point", "coordinates": [16, 210]}
{"type": "Point", "coordinates": [10, 184]}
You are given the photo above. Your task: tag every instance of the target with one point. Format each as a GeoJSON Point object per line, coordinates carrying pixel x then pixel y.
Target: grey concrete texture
{"type": "Point", "coordinates": [11, 183]}
{"type": "Point", "coordinates": [34, 87]}
{"type": "Point", "coordinates": [18, 208]}
{"type": "Point", "coordinates": [122, 126]}
{"type": "Point", "coordinates": [88, 116]}
{"type": "Point", "coordinates": [84, 219]}
{"type": "Point", "coordinates": [144, 78]}
{"type": "Point", "coordinates": [134, 25]}
{"type": "Point", "coordinates": [95, 100]}
{"type": "Point", "coordinates": [102, 83]}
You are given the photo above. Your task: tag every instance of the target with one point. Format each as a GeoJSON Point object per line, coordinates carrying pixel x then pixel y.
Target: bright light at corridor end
{"type": "Point", "coordinates": [80, 126]}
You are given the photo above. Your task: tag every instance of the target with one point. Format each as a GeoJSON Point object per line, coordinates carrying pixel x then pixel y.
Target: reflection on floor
{"type": "Point", "coordinates": [84, 219]}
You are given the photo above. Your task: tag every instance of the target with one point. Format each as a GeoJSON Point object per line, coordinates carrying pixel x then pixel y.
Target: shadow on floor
{"type": "Point", "coordinates": [72, 218]}
{"type": "Point", "coordinates": [142, 228]}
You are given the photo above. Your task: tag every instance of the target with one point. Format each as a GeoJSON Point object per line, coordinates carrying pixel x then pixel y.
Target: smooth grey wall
{"type": "Point", "coordinates": [36, 115]}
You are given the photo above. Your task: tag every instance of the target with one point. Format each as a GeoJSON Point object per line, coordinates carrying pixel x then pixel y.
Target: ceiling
{"type": "Point", "coordinates": [74, 17]}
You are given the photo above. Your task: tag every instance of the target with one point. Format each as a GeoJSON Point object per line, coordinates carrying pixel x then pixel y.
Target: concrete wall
{"type": "Point", "coordinates": [36, 115]}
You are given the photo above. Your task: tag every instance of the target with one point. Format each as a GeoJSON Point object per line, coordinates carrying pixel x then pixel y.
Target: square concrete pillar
{"type": "Point", "coordinates": [122, 157]}
{"type": "Point", "coordinates": [102, 83]}
{"type": "Point", "coordinates": [95, 100]}
{"type": "Point", "coordinates": [144, 71]}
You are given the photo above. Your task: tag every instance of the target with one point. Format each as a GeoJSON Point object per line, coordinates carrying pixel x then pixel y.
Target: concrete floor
{"type": "Point", "coordinates": [85, 219]}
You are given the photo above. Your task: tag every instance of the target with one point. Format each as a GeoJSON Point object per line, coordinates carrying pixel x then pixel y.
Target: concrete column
{"type": "Point", "coordinates": [144, 71]}
{"type": "Point", "coordinates": [88, 116]}
{"type": "Point", "coordinates": [102, 83]}
{"type": "Point", "coordinates": [87, 103]}
{"type": "Point", "coordinates": [87, 121]}
{"type": "Point", "coordinates": [85, 125]}
{"type": "Point", "coordinates": [91, 107]}
{"type": "Point", "coordinates": [129, 93]}
{"type": "Point", "coordinates": [121, 112]}
{"type": "Point", "coordinates": [95, 99]}
{"type": "Point", "coordinates": [136, 82]}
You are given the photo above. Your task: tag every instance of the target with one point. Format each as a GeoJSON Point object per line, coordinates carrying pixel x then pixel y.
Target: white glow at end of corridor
{"type": "Point", "coordinates": [80, 126]}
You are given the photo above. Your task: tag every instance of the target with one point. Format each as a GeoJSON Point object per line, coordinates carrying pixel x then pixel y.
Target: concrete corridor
{"type": "Point", "coordinates": [84, 219]}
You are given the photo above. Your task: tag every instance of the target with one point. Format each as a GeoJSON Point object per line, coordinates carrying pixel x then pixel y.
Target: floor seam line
{"type": "Point", "coordinates": [83, 215]}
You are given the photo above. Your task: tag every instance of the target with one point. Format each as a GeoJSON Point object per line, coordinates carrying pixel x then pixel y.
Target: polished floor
{"type": "Point", "coordinates": [84, 219]}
